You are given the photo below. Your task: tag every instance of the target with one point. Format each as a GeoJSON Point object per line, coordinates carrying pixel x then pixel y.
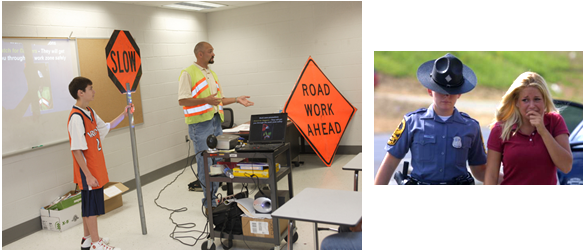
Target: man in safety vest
{"type": "Point", "coordinates": [202, 98]}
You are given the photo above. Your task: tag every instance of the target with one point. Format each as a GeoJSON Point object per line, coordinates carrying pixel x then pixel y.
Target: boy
{"type": "Point", "coordinates": [441, 139]}
{"type": "Point", "coordinates": [85, 132]}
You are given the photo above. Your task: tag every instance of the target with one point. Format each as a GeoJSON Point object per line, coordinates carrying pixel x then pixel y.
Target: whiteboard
{"type": "Point", "coordinates": [36, 102]}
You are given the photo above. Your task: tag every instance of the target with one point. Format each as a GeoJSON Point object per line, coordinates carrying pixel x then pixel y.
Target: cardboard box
{"type": "Point", "coordinates": [68, 202]}
{"type": "Point", "coordinates": [61, 220]}
{"type": "Point", "coordinates": [67, 213]}
{"type": "Point", "coordinates": [261, 227]}
{"type": "Point", "coordinates": [112, 192]}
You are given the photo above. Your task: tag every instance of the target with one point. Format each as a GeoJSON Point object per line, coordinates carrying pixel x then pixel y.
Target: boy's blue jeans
{"type": "Point", "coordinates": [198, 134]}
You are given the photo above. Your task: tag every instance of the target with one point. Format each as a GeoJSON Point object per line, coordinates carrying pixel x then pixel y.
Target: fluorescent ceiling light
{"type": "Point", "coordinates": [206, 5]}
{"type": "Point", "coordinates": [197, 6]}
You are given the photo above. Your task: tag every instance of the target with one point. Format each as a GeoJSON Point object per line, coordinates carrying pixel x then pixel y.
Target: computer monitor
{"type": "Point", "coordinates": [267, 128]}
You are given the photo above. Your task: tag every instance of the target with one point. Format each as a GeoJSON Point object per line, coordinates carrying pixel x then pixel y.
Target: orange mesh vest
{"type": "Point", "coordinates": [93, 155]}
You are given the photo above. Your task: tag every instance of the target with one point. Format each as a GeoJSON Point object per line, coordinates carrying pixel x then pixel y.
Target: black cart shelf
{"type": "Point", "coordinates": [271, 181]}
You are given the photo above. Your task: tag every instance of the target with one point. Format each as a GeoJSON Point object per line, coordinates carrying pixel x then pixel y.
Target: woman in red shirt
{"type": "Point", "coordinates": [530, 138]}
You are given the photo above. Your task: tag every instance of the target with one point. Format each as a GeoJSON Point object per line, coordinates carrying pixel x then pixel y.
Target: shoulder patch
{"type": "Point", "coordinates": [421, 110]}
{"type": "Point", "coordinates": [397, 133]}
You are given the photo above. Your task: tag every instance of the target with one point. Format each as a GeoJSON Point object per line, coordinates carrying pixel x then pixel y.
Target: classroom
{"type": "Point", "coordinates": [261, 49]}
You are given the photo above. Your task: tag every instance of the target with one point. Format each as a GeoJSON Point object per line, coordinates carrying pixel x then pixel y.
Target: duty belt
{"type": "Point", "coordinates": [461, 180]}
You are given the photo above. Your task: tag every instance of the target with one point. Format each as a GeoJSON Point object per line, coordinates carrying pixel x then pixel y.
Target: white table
{"type": "Point", "coordinates": [317, 205]}
{"type": "Point", "coordinates": [354, 164]}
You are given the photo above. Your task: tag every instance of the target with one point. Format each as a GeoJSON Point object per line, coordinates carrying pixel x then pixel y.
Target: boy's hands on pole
{"type": "Point", "coordinates": [127, 109]}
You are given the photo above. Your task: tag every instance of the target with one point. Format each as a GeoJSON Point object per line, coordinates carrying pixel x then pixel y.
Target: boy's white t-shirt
{"type": "Point", "coordinates": [77, 129]}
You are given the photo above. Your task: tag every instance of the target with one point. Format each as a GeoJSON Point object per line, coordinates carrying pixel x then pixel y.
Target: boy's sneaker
{"type": "Point", "coordinates": [100, 245]}
{"type": "Point", "coordinates": [86, 243]}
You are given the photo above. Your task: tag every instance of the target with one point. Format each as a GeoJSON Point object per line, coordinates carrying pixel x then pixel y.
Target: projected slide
{"type": "Point", "coordinates": [35, 76]}
{"type": "Point", "coordinates": [35, 97]}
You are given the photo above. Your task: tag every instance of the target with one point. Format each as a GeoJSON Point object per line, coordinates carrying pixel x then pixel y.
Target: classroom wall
{"type": "Point", "coordinates": [165, 37]}
{"type": "Point", "coordinates": [260, 51]}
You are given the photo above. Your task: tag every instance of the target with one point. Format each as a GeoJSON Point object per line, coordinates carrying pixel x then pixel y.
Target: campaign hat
{"type": "Point", "coordinates": [447, 75]}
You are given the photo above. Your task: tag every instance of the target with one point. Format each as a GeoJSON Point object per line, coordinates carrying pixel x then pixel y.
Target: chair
{"type": "Point", "coordinates": [229, 118]}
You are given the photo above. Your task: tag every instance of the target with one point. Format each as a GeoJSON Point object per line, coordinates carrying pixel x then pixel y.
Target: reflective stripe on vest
{"type": "Point", "coordinates": [201, 89]}
{"type": "Point", "coordinates": [200, 86]}
{"type": "Point", "coordinates": [197, 110]}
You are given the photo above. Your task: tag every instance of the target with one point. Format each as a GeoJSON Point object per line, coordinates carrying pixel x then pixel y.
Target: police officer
{"type": "Point", "coordinates": [440, 138]}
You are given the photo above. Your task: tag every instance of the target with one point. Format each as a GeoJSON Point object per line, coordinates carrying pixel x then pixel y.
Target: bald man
{"type": "Point", "coordinates": [202, 99]}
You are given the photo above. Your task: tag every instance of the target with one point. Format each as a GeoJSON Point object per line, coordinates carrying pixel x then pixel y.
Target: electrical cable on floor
{"type": "Point", "coordinates": [182, 209]}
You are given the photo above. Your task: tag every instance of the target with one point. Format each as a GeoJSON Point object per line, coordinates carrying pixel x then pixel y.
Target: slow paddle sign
{"type": "Point", "coordinates": [124, 64]}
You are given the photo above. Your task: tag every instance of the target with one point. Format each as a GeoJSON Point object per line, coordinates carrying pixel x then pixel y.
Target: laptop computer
{"type": "Point", "coordinates": [266, 133]}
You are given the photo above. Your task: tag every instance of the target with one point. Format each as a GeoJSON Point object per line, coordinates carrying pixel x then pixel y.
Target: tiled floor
{"type": "Point", "coordinates": [123, 225]}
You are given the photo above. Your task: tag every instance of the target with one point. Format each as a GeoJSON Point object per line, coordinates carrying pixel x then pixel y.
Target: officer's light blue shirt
{"type": "Point", "coordinates": [439, 150]}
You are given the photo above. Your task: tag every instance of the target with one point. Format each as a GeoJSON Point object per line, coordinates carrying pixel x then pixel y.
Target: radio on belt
{"type": "Point", "coordinates": [226, 142]}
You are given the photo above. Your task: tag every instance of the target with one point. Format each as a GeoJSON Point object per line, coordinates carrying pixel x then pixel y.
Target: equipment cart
{"type": "Point", "coordinates": [271, 181]}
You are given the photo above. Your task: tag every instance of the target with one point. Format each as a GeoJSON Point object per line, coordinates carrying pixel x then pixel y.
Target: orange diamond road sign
{"type": "Point", "coordinates": [319, 111]}
{"type": "Point", "coordinates": [124, 64]}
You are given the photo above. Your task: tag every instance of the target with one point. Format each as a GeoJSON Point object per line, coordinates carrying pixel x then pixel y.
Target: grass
{"type": "Point", "coordinates": [496, 69]}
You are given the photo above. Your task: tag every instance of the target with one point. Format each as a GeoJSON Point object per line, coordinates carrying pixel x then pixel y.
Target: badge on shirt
{"type": "Point", "coordinates": [457, 142]}
{"type": "Point", "coordinates": [397, 133]}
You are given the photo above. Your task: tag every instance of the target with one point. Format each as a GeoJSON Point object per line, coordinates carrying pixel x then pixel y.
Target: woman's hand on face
{"type": "Point", "coordinates": [535, 119]}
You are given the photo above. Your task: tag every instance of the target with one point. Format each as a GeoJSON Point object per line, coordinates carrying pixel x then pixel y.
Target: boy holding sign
{"type": "Point", "coordinates": [85, 132]}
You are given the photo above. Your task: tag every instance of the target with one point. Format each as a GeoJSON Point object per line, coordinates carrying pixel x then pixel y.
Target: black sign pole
{"type": "Point", "coordinates": [136, 165]}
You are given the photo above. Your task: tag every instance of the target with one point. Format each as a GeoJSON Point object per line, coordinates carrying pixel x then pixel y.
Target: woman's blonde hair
{"type": "Point", "coordinates": [507, 112]}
